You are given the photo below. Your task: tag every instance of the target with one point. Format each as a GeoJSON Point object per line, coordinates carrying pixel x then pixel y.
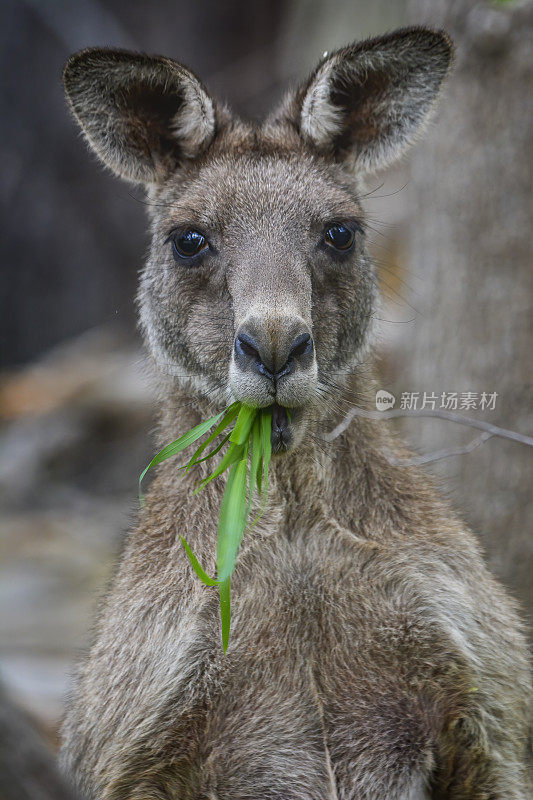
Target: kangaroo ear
{"type": "Point", "coordinates": [142, 115]}
{"type": "Point", "coordinates": [365, 103]}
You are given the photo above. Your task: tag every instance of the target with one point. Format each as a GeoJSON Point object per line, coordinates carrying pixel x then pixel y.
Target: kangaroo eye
{"type": "Point", "coordinates": [188, 244]}
{"type": "Point", "coordinates": [340, 237]}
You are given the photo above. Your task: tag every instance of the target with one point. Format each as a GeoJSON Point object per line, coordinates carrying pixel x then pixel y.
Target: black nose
{"type": "Point", "coordinates": [250, 353]}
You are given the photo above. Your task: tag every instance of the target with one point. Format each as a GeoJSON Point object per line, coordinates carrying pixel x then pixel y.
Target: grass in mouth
{"type": "Point", "coordinates": [248, 460]}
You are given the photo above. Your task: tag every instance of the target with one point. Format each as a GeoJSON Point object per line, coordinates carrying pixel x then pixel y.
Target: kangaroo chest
{"type": "Point", "coordinates": [332, 678]}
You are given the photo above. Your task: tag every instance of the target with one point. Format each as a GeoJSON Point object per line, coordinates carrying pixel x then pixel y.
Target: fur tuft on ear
{"type": "Point", "coordinates": [142, 115]}
{"type": "Point", "coordinates": [365, 103]}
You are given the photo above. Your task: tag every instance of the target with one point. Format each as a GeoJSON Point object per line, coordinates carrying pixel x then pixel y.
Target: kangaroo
{"type": "Point", "coordinates": [372, 655]}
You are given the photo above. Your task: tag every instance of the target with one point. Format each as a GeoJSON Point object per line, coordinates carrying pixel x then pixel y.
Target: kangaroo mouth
{"type": "Point", "coordinates": [282, 435]}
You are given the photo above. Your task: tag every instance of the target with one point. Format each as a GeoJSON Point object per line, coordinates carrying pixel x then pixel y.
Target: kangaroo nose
{"type": "Point", "coordinates": [257, 353]}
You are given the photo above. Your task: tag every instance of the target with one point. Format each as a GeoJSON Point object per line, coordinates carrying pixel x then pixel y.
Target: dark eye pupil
{"type": "Point", "coordinates": [340, 237]}
{"type": "Point", "coordinates": [189, 243]}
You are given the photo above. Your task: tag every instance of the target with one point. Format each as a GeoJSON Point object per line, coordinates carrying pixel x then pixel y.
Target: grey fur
{"type": "Point", "coordinates": [372, 655]}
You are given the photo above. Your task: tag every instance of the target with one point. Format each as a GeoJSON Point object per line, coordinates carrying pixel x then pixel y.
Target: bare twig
{"type": "Point", "coordinates": [438, 455]}
{"type": "Point", "coordinates": [488, 429]}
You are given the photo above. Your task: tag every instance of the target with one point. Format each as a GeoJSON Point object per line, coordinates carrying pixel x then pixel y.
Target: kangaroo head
{"type": "Point", "coordinates": [258, 286]}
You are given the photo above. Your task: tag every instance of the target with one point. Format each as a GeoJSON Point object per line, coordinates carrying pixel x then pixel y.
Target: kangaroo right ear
{"type": "Point", "coordinates": [365, 103]}
{"type": "Point", "coordinates": [142, 115]}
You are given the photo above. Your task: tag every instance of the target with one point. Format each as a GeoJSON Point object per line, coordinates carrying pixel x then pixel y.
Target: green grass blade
{"type": "Point", "coordinates": [233, 454]}
{"type": "Point", "coordinates": [178, 445]}
{"type": "Point", "coordinates": [226, 420]}
{"type": "Point", "coordinates": [197, 567]}
{"type": "Point", "coordinates": [225, 612]}
{"type": "Point", "coordinates": [232, 520]}
{"type": "Point", "coordinates": [251, 435]}
{"type": "Point", "coordinates": [211, 453]}
{"type": "Point", "coordinates": [266, 432]}
{"type": "Point", "coordinates": [256, 460]}
{"type": "Point", "coordinates": [264, 463]}
{"type": "Point", "coordinates": [243, 425]}
{"type": "Point", "coordinates": [259, 474]}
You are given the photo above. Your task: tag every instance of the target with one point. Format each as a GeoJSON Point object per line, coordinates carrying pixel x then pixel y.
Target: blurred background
{"type": "Point", "coordinates": [451, 240]}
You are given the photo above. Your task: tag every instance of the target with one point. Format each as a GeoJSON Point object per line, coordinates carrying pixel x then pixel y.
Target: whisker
{"type": "Point", "coordinates": [381, 196]}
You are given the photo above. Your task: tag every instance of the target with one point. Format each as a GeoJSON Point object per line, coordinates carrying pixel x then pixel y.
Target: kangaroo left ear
{"type": "Point", "coordinates": [142, 115]}
{"type": "Point", "coordinates": [365, 103]}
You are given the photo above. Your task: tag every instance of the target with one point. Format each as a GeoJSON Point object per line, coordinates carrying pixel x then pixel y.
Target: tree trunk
{"type": "Point", "coordinates": [469, 253]}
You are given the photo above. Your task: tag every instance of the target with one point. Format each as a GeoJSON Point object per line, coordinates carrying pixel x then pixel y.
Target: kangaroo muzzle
{"type": "Point", "coordinates": [273, 361]}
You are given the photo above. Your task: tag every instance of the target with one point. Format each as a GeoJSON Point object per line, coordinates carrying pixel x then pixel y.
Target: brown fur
{"type": "Point", "coordinates": [372, 655]}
